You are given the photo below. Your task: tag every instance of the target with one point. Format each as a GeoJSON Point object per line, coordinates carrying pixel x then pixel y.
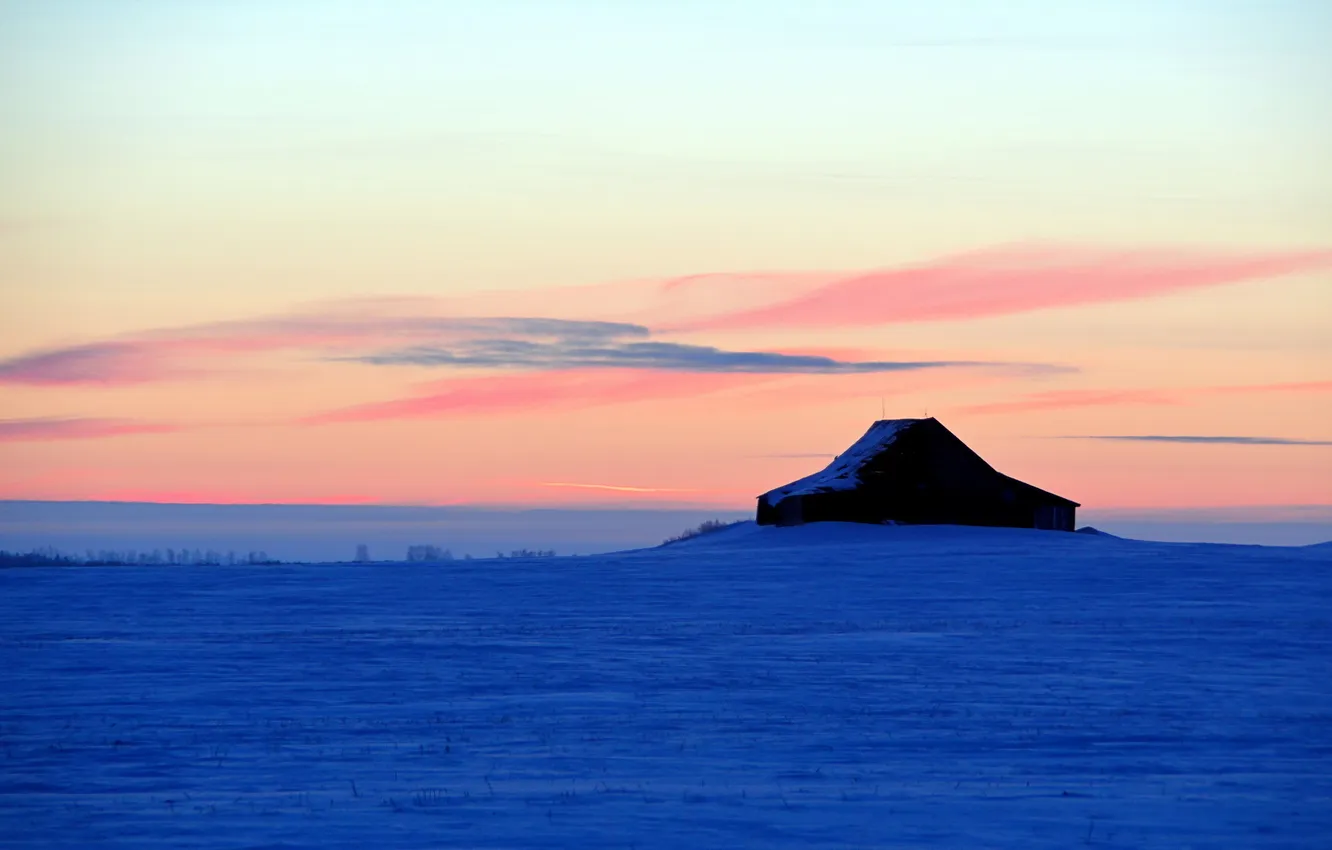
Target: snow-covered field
{"type": "Point", "coordinates": [825, 686]}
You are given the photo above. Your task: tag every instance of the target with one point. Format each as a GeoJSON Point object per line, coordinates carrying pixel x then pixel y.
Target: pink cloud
{"type": "Point", "coordinates": [1065, 399]}
{"type": "Point", "coordinates": [542, 391]}
{"type": "Point", "coordinates": [578, 389]}
{"type": "Point", "coordinates": [83, 428]}
{"type": "Point", "coordinates": [1010, 280]}
{"type": "Point", "coordinates": [983, 283]}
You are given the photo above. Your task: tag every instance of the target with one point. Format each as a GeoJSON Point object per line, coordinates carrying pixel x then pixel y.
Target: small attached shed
{"type": "Point", "coordinates": [914, 471]}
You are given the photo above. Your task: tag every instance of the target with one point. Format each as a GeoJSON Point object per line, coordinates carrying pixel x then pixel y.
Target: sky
{"type": "Point", "coordinates": [661, 254]}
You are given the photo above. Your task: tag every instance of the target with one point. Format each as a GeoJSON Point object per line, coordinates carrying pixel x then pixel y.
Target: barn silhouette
{"type": "Point", "coordinates": [914, 471]}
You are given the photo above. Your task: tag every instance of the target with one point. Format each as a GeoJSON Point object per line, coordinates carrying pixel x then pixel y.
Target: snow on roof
{"type": "Point", "coordinates": [844, 472]}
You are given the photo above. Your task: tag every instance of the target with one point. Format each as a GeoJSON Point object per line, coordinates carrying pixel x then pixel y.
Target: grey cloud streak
{"type": "Point", "coordinates": [166, 353]}
{"type": "Point", "coordinates": [679, 357]}
{"type": "Point", "coordinates": [1212, 440]}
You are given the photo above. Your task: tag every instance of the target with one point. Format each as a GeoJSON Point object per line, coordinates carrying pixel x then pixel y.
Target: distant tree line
{"type": "Point", "coordinates": [50, 557]}
{"type": "Point", "coordinates": [432, 554]}
{"type": "Point", "coordinates": [427, 553]}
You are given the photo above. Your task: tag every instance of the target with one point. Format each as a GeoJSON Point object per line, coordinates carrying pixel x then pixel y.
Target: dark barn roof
{"type": "Point", "coordinates": [914, 471]}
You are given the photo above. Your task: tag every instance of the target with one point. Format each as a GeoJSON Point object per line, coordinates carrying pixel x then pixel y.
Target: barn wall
{"type": "Point", "coordinates": [1054, 517]}
{"type": "Point", "coordinates": [790, 511]}
{"type": "Point", "coordinates": [995, 502]}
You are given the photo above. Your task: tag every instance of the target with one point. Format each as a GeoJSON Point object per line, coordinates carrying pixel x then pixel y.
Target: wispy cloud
{"type": "Point", "coordinates": [1009, 280]}
{"type": "Point", "coordinates": [670, 356]}
{"type": "Point", "coordinates": [76, 428]}
{"type": "Point", "coordinates": [600, 384]}
{"type": "Point", "coordinates": [618, 488]}
{"type": "Point", "coordinates": [1066, 399]}
{"type": "Point", "coordinates": [1063, 399]}
{"type": "Point", "coordinates": [470, 342]}
{"type": "Point", "coordinates": [1189, 438]}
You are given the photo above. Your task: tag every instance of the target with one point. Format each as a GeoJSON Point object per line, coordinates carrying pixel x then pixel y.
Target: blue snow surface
{"type": "Point", "coordinates": [822, 686]}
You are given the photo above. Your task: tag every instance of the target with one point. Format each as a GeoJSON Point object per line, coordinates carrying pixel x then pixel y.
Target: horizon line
{"type": "Point", "coordinates": [627, 505]}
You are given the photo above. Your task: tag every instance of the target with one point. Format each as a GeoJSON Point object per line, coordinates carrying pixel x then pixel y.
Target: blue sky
{"type": "Point", "coordinates": [1215, 98]}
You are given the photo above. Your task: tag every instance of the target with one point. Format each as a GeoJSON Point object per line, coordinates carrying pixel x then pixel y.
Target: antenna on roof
{"type": "Point", "coordinates": [883, 408]}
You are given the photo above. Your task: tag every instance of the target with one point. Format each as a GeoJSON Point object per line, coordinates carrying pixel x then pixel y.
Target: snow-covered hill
{"type": "Point", "coordinates": [821, 686]}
